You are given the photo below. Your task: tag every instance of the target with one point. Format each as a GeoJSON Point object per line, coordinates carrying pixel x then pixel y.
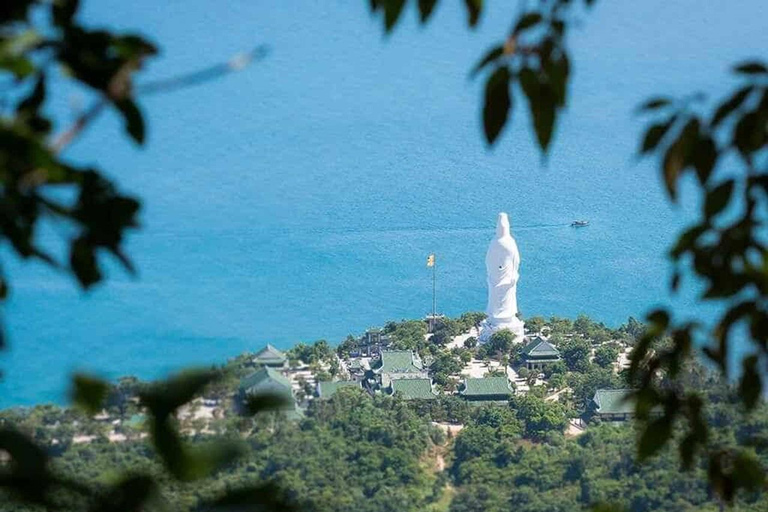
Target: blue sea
{"type": "Point", "coordinates": [298, 199]}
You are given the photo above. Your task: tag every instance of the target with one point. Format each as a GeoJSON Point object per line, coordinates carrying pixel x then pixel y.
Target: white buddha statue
{"type": "Point", "coordinates": [502, 262]}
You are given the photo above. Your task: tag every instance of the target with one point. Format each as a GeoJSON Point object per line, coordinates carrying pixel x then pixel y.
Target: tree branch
{"type": "Point", "coordinates": [191, 79]}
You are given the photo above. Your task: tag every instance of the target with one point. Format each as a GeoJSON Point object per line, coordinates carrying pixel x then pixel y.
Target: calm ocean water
{"type": "Point", "coordinates": [298, 200]}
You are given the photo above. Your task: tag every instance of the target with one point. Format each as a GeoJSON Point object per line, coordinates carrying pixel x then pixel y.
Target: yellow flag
{"type": "Point", "coordinates": [431, 260]}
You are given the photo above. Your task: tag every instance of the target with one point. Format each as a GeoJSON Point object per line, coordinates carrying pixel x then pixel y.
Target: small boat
{"type": "Point", "coordinates": [579, 223]}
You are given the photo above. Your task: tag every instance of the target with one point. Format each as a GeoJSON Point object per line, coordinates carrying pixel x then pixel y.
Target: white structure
{"type": "Point", "coordinates": [502, 262]}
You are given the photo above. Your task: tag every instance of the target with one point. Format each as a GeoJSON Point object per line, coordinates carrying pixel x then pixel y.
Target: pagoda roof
{"type": "Point", "coordinates": [399, 361]}
{"type": "Point", "coordinates": [539, 348]}
{"type": "Point", "coordinates": [269, 354]}
{"type": "Point", "coordinates": [487, 386]}
{"type": "Point", "coordinates": [327, 389]}
{"type": "Point", "coordinates": [413, 389]}
{"type": "Point", "coordinates": [265, 380]}
{"type": "Point", "coordinates": [614, 401]}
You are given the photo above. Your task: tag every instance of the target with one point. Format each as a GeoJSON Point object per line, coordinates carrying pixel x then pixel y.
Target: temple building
{"type": "Point", "coordinates": [270, 356]}
{"type": "Point", "coordinates": [487, 389]}
{"type": "Point", "coordinates": [398, 364]}
{"type": "Point", "coordinates": [613, 405]}
{"type": "Point", "coordinates": [539, 353]}
{"type": "Point", "coordinates": [266, 380]}
{"type": "Point", "coordinates": [414, 389]}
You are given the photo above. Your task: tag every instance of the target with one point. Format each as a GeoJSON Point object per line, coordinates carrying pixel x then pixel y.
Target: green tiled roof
{"type": "Point", "coordinates": [487, 386]}
{"type": "Point", "coordinates": [540, 348]}
{"type": "Point", "coordinates": [265, 380]}
{"type": "Point", "coordinates": [269, 354]}
{"type": "Point", "coordinates": [414, 388]}
{"type": "Point", "coordinates": [612, 401]}
{"type": "Point", "coordinates": [328, 389]}
{"type": "Point", "coordinates": [399, 361]}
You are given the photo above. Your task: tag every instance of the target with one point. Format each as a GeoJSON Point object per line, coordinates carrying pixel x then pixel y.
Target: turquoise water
{"type": "Point", "coordinates": [298, 200]}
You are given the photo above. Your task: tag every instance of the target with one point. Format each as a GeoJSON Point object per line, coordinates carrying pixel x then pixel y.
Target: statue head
{"type": "Point", "coordinates": [502, 226]}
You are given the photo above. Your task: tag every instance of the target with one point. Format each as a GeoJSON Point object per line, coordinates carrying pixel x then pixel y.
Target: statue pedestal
{"type": "Point", "coordinates": [491, 326]}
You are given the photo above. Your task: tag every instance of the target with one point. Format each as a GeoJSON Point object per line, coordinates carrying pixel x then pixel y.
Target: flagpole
{"type": "Point", "coordinates": [434, 301]}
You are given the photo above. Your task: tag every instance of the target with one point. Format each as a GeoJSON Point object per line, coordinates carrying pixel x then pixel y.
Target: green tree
{"type": "Point", "coordinates": [606, 355]}
{"type": "Point", "coordinates": [535, 324]}
{"type": "Point", "coordinates": [471, 319]}
{"type": "Point", "coordinates": [501, 342]}
{"type": "Point", "coordinates": [444, 366]}
{"type": "Point", "coordinates": [345, 348]}
{"type": "Point", "coordinates": [539, 416]}
{"type": "Point", "coordinates": [407, 334]}
{"type": "Point", "coordinates": [445, 330]}
{"type": "Point", "coordinates": [556, 368]}
{"type": "Point", "coordinates": [575, 352]}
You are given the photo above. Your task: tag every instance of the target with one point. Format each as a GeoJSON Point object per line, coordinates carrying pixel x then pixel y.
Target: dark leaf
{"type": "Point", "coordinates": [654, 135]}
{"type": "Point", "coordinates": [749, 133]}
{"type": "Point", "coordinates": [718, 198]}
{"type": "Point", "coordinates": [20, 66]}
{"type": "Point", "coordinates": [123, 258]}
{"type": "Point", "coordinates": [704, 158]}
{"type": "Point", "coordinates": [659, 318]}
{"type": "Point", "coordinates": [89, 392]}
{"type": "Point", "coordinates": [558, 70]}
{"type": "Point", "coordinates": [498, 103]}
{"type": "Point", "coordinates": [675, 281]}
{"type": "Point", "coordinates": [166, 396]}
{"type": "Point", "coordinates": [544, 122]}
{"type": "Point", "coordinates": [203, 462]}
{"type": "Point", "coordinates": [721, 332]}
{"type": "Point", "coordinates": [646, 400]}
{"type": "Point", "coordinates": [134, 121]}
{"type": "Point", "coordinates": [748, 472]}
{"type": "Point", "coordinates": [493, 54]}
{"type": "Point", "coordinates": [542, 103]}
{"type": "Point", "coordinates": [82, 261]}
{"type": "Point", "coordinates": [392, 11]}
{"type": "Point", "coordinates": [677, 157]}
{"type": "Point", "coordinates": [750, 385]}
{"type": "Point", "coordinates": [751, 68]}
{"type": "Point", "coordinates": [688, 450]}
{"type": "Point", "coordinates": [246, 499]}
{"type": "Point", "coordinates": [721, 483]}
{"type": "Point", "coordinates": [734, 102]}
{"type": "Point", "coordinates": [654, 104]}
{"type": "Point", "coordinates": [34, 101]}
{"type": "Point", "coordinates": [29, 460]}
{"type": "Point", "coordinates": [474, 7]}
{"type": "Point", "coordinates": [168, 444]}
{"type": "Point", "coordinates": [64, 11]}
{"type": "Point", "coordinates": [3, 295]}
{"type": "Point", "coordinates": [425, 9]}
{"type": "Point", "coordinates": [654, 437]}
{"type": "Point", "coordinates": [527, 21]}
{"type": "Point", "coordinates": [129, 495]}
{"type": "Point", "coordinates": [687, 241]}
{"type": "Point", "coordinates": [14, 10]}
{"type": "Point", "coordinates": [263, 402]}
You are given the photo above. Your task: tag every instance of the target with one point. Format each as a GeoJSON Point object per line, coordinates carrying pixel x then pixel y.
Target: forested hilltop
{"type": "Point", "coordinates": [355, 438]}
